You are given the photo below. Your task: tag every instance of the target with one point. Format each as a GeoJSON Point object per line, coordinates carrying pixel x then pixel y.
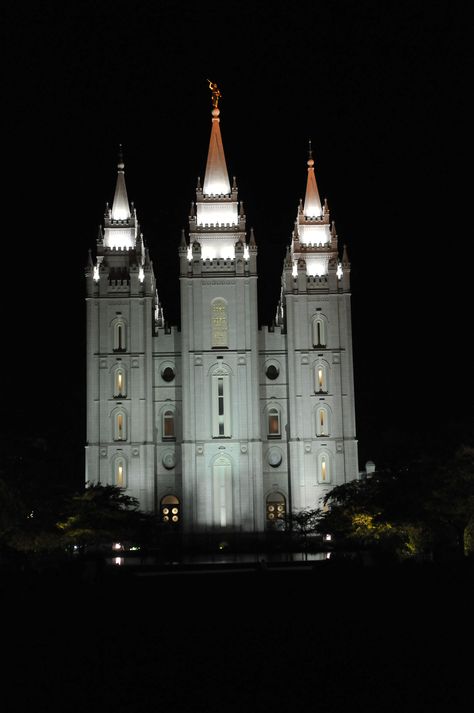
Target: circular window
{"type": "Point", "coordinates": [167, 374]}
{"type": "Point", "coordinates": [274, 457]}
{"type": "Point", "coordinates": [272, 372]}
{"type": "Point", "coordinates": [169, 460]}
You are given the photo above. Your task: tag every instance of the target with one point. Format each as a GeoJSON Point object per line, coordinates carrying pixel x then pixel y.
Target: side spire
{"type": "Point", "coordinates": [216, 179]}
{"type": "Point", "coordinates": [312, 202]}
{"type": "Point", "coordinates": [120, 206]}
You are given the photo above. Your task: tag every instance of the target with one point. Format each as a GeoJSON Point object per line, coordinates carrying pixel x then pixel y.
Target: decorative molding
{"type": "Point", "coordinates": [169, 460]}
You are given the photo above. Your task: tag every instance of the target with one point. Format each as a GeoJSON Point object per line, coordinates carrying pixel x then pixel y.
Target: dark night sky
{"type": "Point", "coordinates": [380, 88]}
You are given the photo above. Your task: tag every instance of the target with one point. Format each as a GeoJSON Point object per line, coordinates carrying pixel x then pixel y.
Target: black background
{"type": "Point", "coordinates": [380, 88]}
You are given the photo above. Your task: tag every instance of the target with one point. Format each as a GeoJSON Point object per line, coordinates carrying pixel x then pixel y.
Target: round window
{"type": "Point", "coordinates": [272, 372]}
{"type": "Point", "coordinates": [169, 460]}
{"type": "Point", "coordinates": [167, 374]}
{"type": "Point", "coordinates": [274, 457]}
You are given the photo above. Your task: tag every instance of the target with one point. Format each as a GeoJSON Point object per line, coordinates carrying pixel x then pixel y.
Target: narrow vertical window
{"type": "Point", "coordinates": [324, 473]}
{"type": "Point", "coordinates": [119, 337]}
{"type": "Point", "coordinates": [319, 332]}
{"type": "Point", "coordinates": [168, 425]}
{"type": "Point", "coordinates": [119, 382]}
{"type": "Point", "coordinates": [120, 426]}
{"type": "Point", "coordinates": [322, 422]}
{"type": "Point", "coordinates": [320, 377]}
{"type": "Point", "coordinates": [274, 423]}
{"type": "Point", "coordinates": [222, 492]}
{"type": "Point", "coordinates": [120, 474]}
{"type": "Point", "coordinates": [220, 406]}
{"type": "Point", "coordinates": [219, 327]}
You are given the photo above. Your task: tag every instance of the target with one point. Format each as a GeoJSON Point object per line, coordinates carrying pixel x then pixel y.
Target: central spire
{"type": "Point", "coordinates": [312, 202]}
{"type": "Point", "coordinates": [216, 179]}
{"type": "Point", "coordinates": [120, 206]}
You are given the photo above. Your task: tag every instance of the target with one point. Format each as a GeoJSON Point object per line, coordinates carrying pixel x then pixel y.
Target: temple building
{"type": "Point", "coordinates": [220, 426]}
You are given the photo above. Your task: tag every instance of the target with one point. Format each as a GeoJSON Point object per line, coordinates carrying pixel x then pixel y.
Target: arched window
{"type": "Point", "coordinates": [273, 428]}
{"type": "Point", "coordinates": [319, 331]}
{"type": "Point", "coordinates": [119, 472]}
{"type": "Point", "coordinates": [324, 470]}
{"type": "Point", "coordinates": [168, 425]}
{"type": "Point", "coordinates": [119, 382]}
{"type": "Point", "coordinates": [220, 387]}
{"type": "Point", "coordinates": [276, 509]}
{"type": "Point", "coordinates": [222, 491]}
{"type": "Point", "coordinates": [120, 425]}
{"type": "Point", "coordinates": [170, 510]}
{"type": "Point", "coordinates": [321, 378]}
{"type": "Point", "coordinates": [322, 421]}
{"type": "Point", "coordinates": [119, 336]}
{"type": "Point", "coordinates": [219, 326]}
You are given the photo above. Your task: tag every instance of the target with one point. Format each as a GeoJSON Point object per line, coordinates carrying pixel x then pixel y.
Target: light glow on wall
{"type": "Point", "coordinates": [217, 214]}
{"type": "Point", "coordinates": [246, 252]}
{"type": "Point", "coordinates": [119, 238]}
{"type": "Point", "coordinates": [95, 273]}
{"type": "Point", "coordinates": [314, 234]}
{"type": "Point", "coordinates": [141, 274]}
{"type": "Point", "coordinates": [222, 250]}
{"type": "Point", "coordinates": [339, 271]}
{"type": "Point", "coordinates": [316, 266]}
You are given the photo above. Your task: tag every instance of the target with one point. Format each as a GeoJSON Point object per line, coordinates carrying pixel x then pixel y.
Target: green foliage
{"type": "Point", "coordinates": [102, 513]}
{"type": "Point", "coordinates": [422, 507]}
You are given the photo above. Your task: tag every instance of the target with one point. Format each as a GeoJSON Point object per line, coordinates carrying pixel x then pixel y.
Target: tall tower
{"type": "Point", "coordinates": [221, 454]}
{"type": "Point", "coordinates": [220, 426]}
{"type": "Point", "coordinates": [122, 308]}
{"type": "Point", "coordinates": [315, 314]}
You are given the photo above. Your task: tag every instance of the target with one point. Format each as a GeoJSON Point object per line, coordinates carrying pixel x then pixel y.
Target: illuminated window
{"type": "Point", "coordinates": [119, 478]}
{"type": "Point", "coordinates": [275, 510]}
{"type": "Point", "coordinates": [120, 426]}
{"type": "Point", "coordinates": [222, 491]}
{"type": "Point", "coordinates": [274, 423]}
{"type": "Point", "coordinates": [119, 382]}
{"type": "Point", "coordinates": [119, 336]}
{"type": "Point", "coordinates": [221, 406]}
{"type": "Point", "coordinates": [324, 470]}
{"type": "Point", "coordinates": [321, 380]}
{"type": "Point", "coordinates": [168, 425]}
{"type": "Point", "coordinates": [319, 332]}
{"type": "Point", "coordinates": [322, 421]}
{"type": "Point", "coordinates": [170, 510]}
{"type": "Point", "coordinates": [219, 327]}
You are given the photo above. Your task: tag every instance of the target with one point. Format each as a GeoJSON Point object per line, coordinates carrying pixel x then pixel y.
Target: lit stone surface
{"type": "Point", "coordinates": [192, 422]}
